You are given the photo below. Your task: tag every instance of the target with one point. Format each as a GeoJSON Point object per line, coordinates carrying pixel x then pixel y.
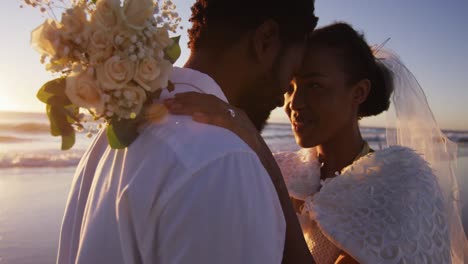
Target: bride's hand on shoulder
{"type": "Point", "coordinates": [209, 109]}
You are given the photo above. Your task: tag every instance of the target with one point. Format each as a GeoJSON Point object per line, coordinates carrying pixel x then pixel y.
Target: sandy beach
{"type": "Point", "coordinates": [31, 207]}
{"type": "Point", "coordinates": [32, 203]}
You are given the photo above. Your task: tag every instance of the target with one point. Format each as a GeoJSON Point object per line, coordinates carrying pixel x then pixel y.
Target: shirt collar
{"type": "Point", "coordinates": [201, 82]}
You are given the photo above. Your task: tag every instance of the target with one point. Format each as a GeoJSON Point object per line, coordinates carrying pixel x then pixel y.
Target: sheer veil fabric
{"type": "Point", "coordinates": [411, 123]}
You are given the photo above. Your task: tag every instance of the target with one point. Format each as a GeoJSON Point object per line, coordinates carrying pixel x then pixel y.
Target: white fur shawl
{"type": "Point", "coordinates": [386, 207]}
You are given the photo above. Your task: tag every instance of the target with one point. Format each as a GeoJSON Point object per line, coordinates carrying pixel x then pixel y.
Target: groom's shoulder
{"type": "Point", "coordinates": [193, 143]}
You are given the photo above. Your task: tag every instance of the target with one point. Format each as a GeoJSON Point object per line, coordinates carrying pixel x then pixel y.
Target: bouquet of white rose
{"type": "Point", "coordinates": [112, 60]}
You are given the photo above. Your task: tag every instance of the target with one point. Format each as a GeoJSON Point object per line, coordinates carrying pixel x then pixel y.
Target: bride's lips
{"type": "Point", "coordinates": [299, 126]}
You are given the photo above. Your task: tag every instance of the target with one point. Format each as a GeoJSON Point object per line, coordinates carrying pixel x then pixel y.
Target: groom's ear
{"type": "Point", "coordinates": [266, 43]}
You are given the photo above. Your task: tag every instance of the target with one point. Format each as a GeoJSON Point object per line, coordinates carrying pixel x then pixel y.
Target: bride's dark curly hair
{"type": "Point", "coordinates": [359, 63]}
{"type": "Point", "coordinates": [217, 24]}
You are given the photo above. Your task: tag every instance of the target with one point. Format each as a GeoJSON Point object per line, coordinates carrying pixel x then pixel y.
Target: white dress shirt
{"type": "Point", "coordinates": [183, 192]}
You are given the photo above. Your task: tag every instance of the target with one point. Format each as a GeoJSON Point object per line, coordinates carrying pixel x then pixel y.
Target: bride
{"type": "Point", "coordinates": [357, 204]}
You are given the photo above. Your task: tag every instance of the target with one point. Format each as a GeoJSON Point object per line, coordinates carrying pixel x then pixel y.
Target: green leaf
{"type": "Point", "coordinates": [56, 86]}
{"type": "Point", "coordinates": [113, 139]}
{"type": "Point", "coordinates": [59, 116]}
{"type": "Point", "coordinates": [60, 111]}
{"type": "Point", "coordinates": [58, 100]}
{"type": "Point", "coordinates": [60, 125]}
{"type": "Point", "coordinates": [68, 141]}
{"type": "Point", "coordinates": [53, 92]}
{"type": "Point", "coordinates": [121, 133]}
{"type": "Point", "coordinates": [54, 129]}
{"type": "Point", "coordinates": [172, 53]}
{"type": "Point", "coordinates": [72, 112]}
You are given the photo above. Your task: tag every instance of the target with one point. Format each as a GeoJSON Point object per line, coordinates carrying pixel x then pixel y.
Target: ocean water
{"type": "Point", "coordinates": [35, 176]}
{"type": "Point", "coordinates": [25, 141]}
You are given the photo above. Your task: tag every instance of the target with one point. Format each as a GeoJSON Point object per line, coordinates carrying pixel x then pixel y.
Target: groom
{"type": "Point", "coordinates": [185, 192]}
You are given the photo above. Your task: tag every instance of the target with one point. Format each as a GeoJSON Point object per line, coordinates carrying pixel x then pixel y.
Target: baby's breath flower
{"type": "Point", "coordinates": [118, 40]}
{"type": "Point", "coordinates": [66, 50]}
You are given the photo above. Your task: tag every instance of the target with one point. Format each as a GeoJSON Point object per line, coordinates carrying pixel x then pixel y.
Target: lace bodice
{"type": "Point", "coordinates": [321, 248]}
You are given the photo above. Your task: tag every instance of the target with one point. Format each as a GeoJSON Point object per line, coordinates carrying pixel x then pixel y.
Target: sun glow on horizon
{"type": "Point", "coordinates": [16, 100]}
{"type": "Point", "coordinates": [7, 102]}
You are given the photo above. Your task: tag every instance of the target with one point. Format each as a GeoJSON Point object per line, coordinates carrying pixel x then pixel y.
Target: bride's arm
{"type": "Point", "coordinates": [209, 109]}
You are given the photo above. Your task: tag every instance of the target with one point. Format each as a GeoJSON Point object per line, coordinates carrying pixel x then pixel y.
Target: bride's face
{"type": "Point", "coordinates": [319, 103]}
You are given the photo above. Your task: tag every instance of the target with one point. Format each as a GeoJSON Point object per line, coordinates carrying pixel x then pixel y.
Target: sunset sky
{"type": "Point", "coordinates": [430, 36]}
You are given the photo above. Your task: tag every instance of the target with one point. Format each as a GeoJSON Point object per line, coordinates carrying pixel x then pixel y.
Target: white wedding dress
{"type": "Point", "coordinates": [387, 207]}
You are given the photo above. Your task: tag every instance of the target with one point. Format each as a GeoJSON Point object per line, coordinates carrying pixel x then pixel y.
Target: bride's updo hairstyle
{"type": "Point", "coordinates": [359, 63]}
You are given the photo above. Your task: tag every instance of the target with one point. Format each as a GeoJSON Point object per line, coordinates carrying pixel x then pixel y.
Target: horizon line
{"type": "Point", "coordinates": [269, 123]}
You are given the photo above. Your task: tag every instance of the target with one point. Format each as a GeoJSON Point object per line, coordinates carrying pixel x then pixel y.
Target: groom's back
{"type": "Point", "coordinates": [183, 192]}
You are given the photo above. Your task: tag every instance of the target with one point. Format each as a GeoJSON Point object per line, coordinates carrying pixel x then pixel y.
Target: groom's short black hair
{"type": "Point", "coordinates": [218, 23]}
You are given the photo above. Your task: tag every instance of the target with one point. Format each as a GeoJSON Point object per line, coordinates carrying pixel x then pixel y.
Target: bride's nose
{"type": "Point", "coordinates": [296, 100]}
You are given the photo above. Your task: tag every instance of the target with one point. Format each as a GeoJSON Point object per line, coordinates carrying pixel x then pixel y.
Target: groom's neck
{"type": "Point", "coordinates": [222, 72]}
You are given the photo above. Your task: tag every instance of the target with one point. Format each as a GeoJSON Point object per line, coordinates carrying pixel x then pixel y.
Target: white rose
{"type": "Point", "coordinates": [45, 37]}
{"type": "Point", "coordinates": [100, 46]}
{"type": "Point", "coordinates": [136, 12]}
{"type": "Point", "coordinates": [115, 73]}
{"type": "Point", "coordinates": [146, 72]}
{"type": "Point", "coordinates": [83, 91]}
{"type": "Point", "coordinates": [107, 14]}
{"type": "Point", "coordinates": [165, 68]}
